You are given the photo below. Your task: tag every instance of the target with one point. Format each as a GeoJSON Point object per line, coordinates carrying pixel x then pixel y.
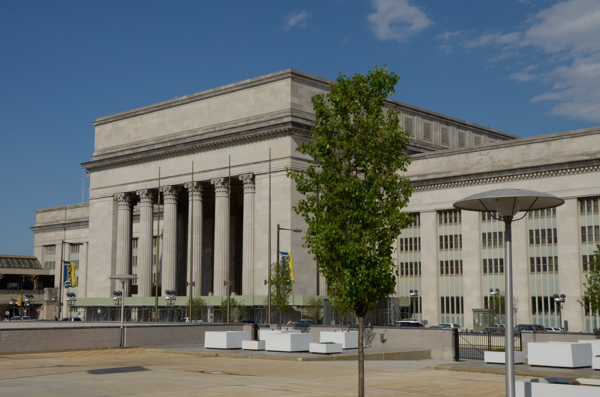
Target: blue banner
{"type": "Point", "coordinates": [70, 279]}
{"type": "Point", "coordinates": [288, 265]}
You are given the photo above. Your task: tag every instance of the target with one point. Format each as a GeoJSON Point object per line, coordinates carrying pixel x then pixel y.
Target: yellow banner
{"type": "Point", "coordinates": [288, 264]}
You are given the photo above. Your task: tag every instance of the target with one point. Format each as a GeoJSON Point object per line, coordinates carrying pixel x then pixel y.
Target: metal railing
{"type": "Point", "coordinates": [471, 346]}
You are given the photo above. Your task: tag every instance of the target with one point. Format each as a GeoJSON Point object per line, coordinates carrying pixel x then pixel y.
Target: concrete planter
{"type": "Point", "coordinates": [288, 342]}
{"type": "Point", "coordinates": [348, 340]}
{"type": "Point", "coordinates": [263, 334]}
{"type": "Point", "coordinates": [560, 354]}
{"type": "Point", "coordinates": [325, 348]}
{"type": "Point", "coordinates": [557, 387]}
{"type": "Point", "coordinates": [499, 357]}
{"type": "Point", "coordinates": [596, 362]}
{"type": "Point", "coordinates": [595, 346]}
{"type": "Point", "coordinates": [225, 339]}
{"type": "Point", "coordinates": [253, 345]}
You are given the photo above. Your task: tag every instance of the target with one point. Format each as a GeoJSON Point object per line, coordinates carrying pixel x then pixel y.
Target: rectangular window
{"type": "Point", "coordinates": [501, 265]}
{"type": "Point", "coordinates": [445, 242]}
{"type": "Point", "coordinates": [583, 234]}
{"type": "Point", "coordinates": [596, 234]}
{"type": "Point", "coordinates": [595, 205]}
{"type": "Point", "coordinates": [452, 306]}
{"type": "Point", "coordinates": [538, 265]}
{"type": "Point", "coordinates": [451, 267]}
{"type": "Point", "coordinates": [451, 242]}
{"type": "Point", "coordinates": [410, 268]}
{"type": "Point", "coordinates": [550, 264]}
{"type": "Point", "coordinates": [408, 126]}
{"type": "Point", "coordinates": [500, 239]}
{"type": "Point", "coordinates": [445, 136]}
{"type": "Point", "coordinates": [590, 230]}
{"type": "Point", "coordinates": [532, 264]}
{"type": "Point", "coordinates": [555, 238]}
{"type": "Point", "coordinates": [410, 242]}
{"type": "Point", "coordinates": [442, 268]}
{"type": "Point", "coordinates": [495, 239]}
{"type": "Point", "coordinates": [461, 267]}
{"type": "Point", "coordinates": [447, 267]}
{"type": "Point", "coordinates": [543, 236]}
{"type": "Point", "coordinates": [544, 264]}
{"type": "Point", "coordinates": [585, 263]}
{"type": "Point", "coordinates": [49, 257]}
{"type": "Point", "coordinates": [496, 265]}
{"type": "Point", "coordinates": [485, 266]}
{"type": "Point", "coordinates": [533, 311]}
{"type": "Point", "coordinates": [74, 251]}
{"type": "Point", "coordinates": [531, 242]}
{"type": "Point", "coordinates": [442, 305]}
{"type": "Point", "coordinates": [427, 135]}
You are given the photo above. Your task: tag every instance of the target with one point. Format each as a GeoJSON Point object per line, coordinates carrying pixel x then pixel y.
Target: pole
{"type": "Point", "coordinates": [60, 281]}
{"type": "Point", "coordinates": [122, 311]}
{"type": "Point", "coordinates": [228, 251]}
{"type": "Point", "coordinates": [269, 246]}
{"type": "Point", "coordinates": [509, 330]}
{"type": "Point", "coordinates": [157, 255]}
{"type": "Point", "coordinates": [191, 239]}
{"type": "Point", "coordinates": [82, 186]}
{"type": "Point", "coordinates": [278, 229]}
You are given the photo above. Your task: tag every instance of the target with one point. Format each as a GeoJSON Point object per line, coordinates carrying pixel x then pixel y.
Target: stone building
{"type": "Point", "coordinates": [215, 219]}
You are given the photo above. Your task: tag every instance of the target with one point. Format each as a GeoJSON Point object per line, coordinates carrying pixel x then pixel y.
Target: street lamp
{"type": "Point", "coordinates": [414, 295]}
{"type": "Point", "coordinates": [279, 228]}
{"type": "Point", "coordinates": [123, 278]}
{"type": "Point", "coordinates": [71, 299]}
{"type": "Point", "coordinates": [170, 298]}
{"type": "Point", "coordinates": [560, 301]}
{"type": "Point", "coordinates": [30, 303]}
{"type": "Point", "coordinates": [494, 294]}
{"type": "Point", "coordinates": [507, 203]}
{"type": "Point", "coordinates": [117, 298]}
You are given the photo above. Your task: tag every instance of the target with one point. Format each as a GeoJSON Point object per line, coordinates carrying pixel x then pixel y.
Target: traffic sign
{"type": "Point", "coordinates": [39, 310]}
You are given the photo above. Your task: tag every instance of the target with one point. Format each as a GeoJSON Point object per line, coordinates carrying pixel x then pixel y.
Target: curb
{"type": "Point", "coordinates": [528, 374]}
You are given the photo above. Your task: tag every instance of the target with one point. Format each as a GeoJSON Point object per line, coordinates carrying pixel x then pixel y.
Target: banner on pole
{"type": "Point", "coordinates": [70, 279]}
{"type": "Point", "coordinates": [288, 265]}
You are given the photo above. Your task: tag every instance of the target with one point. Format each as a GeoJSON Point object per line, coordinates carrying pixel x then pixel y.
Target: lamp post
{"type": "Point", "coordinates": [123, 278]}
{"type": "Point", "coordinates": [493, 304]}
{"type": "Point", "coordinates": [279, 228]}
{"type": "Point", "coordinates": [29, 303]}
{"type": "Point", "coordinates": [170, 298]}
{"type": "Point", "coordinates": [13, 304]}
{"type": "Point", "coordinates": [117, 298]}
{"type": "Point", "coordinates": [414, 295]}
{"type": "Point", "coordinates": [507, 203]}
{"type": "Point", "coordinates": [71, 299]}
{"type": "Point", "coordinates": [560, 301]}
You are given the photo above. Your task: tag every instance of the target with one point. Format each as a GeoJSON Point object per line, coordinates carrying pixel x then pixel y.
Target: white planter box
{"type": "Point", "coordinates": [348, 340]}
{"type": "Point", "coordinates": [325, 348]}
{"type": "Point", "coordinates": [225, 339]}
{"type": "Point", "coordinates": [499, 357]}
{"type": "Point", "coordinates": [263, 334]}
{"type": "Point", "coordinates": [596, 362]}
{"type": "Point", "coordinates": [560, 354]}
{"type": "Point", "coordinates": [288, 342]}
{"type": "Point", "coordinates": [253, 345]}
{"type": "Point", "coordinates": [595, 346]}
{"type": "Point", "coordinates": [557, 387]}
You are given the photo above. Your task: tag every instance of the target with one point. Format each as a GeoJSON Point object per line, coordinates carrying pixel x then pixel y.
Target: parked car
{"type": "Point", "coordinates": [491, 329]}
{"type": "Point", "coordinates": [449, 325]}
{"type": "Point", "coordinates": [554, 329]}
{"type": "Point", "coordinates": [71, 319]}
{"type": "Point", "coordinates": [409, 323]}
{"type": "Point", "coordinates": [15, 318]}
{"type": "Point", "coordinates": [303, 323]}
{"type": "Point", "coordinates": [529, 328]}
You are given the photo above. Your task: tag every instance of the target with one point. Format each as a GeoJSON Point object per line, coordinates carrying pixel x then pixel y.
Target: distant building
{"type": "Point", "coordinates": [451, 258]}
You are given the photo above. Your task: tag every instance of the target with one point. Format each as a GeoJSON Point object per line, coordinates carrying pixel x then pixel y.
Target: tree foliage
{"type": "Point", "coordinates": [281, 289]}
{"type": "Point", "coordinates": [497, 304]}
{"type": "Point", "coordinates": [237, 310]}
{"type": "Point", "coordinates": [313, 309]}
{"type": "Point", "coordinates": [199, 308]}
{"type": "Point", "coordinates": [591, 286]}
{"type": "Point", "coordinates": [354, 191]}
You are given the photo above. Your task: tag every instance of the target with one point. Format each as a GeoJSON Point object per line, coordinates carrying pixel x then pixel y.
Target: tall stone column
{"type": "Point", "coordinates": [124, 236]}
{"type": "Point", "coordinates": [248, 235]}
{"type": "Point", "coordinates": [221, 235]}
{"type": "Point", "coordinates": [195, 236]}
{"type": "Point", "coordinates": [169, 240]}
{"type": "Point", "coordinates": [145, 242]}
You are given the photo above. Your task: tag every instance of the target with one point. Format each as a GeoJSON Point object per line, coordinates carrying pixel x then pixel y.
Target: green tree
{"type": "Point", "coordinates": [340, 306]}
{"type": "Point", "coordinates": [354, 191]}
{"type": "Point", "coordinates": [591, 287]}
{"type": "Point", "coordinates": [281, 289]}
{"type": "Point", "coordinates": [497, 304]}
{"type": "Point", "coordinates": [199, 307]}
{"type": "Point", "coordinates": [313, 309]}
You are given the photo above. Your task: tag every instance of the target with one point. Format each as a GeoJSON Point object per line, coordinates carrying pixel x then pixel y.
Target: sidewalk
{"type": "Point", "coordinates": [520, 370]}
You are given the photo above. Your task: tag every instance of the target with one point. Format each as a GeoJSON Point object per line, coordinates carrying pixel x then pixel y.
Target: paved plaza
{"type": "Point", "coordinates": [152, 372]}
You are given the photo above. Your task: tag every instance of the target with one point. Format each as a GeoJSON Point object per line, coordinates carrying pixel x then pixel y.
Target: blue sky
{"type": "Point", "coordinates": [523, 67]}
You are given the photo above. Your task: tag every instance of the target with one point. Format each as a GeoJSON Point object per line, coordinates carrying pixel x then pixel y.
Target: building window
{"type": "Point", "coordinates": [409, 259]}
{"type": "Point", "coordinates": [445, 136]}
{"type": "Point", "coordinates": [49, 257]}
{"type": "Point", "coordinates": [462, 138]}
{"type": "Point", "coordinates": [408, 126]}
{"type": "Point", "coordinates": [74, 250]}
{"type": "Point", "coordinates": [427, 131]}
{"type": "Point", "coordinates": [476, 140]}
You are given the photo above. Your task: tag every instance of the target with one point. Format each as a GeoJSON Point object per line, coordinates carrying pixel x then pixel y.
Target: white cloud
{"type": "Point", "coordinates": [397, 20]}
{"type": "Point", "coordinates": [296, 19]}
{"type": "Point", "coordinates": [567, 36]}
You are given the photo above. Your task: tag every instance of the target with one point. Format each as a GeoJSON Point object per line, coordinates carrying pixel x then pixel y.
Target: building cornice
{"type": "Point", "coordinates": [515, 174]}
{"type": "Point", "coordinates": [62, 208]}
{"type": "Point", "coordinates": [287, 129]}
{"type": "Point", "coordinates": [83, 224]}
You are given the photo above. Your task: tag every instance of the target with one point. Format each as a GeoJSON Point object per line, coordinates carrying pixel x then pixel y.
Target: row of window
{"type": "Point", "coordinates": [490, 216]}
{"type": "Point", "coordinates": [590, 234]}
{"type": "Point", "coordinates": [588, 206]}
{"type": "Point", "coordinates": [493, 266]}
{"type": "Point", "coordinates": [49, 255]}
{"type": "Point", "coordinates": [492, 239]}
{"type": "Point", "coordinates": [410, 244]}
{"type": "Point", "coordinates": [543, 236]}
{"type": "Point", "coordinates": [586, 261]}
{"type": "Point", "coordinates": [452, 304]}
{"type": "Point", "coordinates": [410, 268]}
{"type": "Point", "coordinates": [452, 241]}
{"type": "Point", "coordinates": [543, 264]}
{"type": "Point", "coordinates": [547, 213]}
{"type": "Point", "coordinates": [543, 305]}
{"type": "Point", "coordinates": [452, 267]}
{"type": "Point", "coordinates": [452, 217]}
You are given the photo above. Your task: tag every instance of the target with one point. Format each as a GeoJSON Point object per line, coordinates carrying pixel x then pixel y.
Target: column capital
{"type": "Point", "coordinates": [170, 194]}
{"type": "Point", "coordinates": [194, 190]}
{"type": "Point", "coordinates": [248, 181]}
{"type": "Point", "coordinates": [124, 200]}
{"type": "Point", "coordinates": [221, 186]}
{"type": "Point", "coordinates": [146, 197]}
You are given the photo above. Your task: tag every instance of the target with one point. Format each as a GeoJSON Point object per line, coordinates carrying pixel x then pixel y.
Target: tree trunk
{"type": "Point", "coordinates": [279, 320]}
{"type": "Point", "coordinates": [361, 357]}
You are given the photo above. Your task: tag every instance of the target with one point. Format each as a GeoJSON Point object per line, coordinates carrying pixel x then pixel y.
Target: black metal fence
{"type": "Point", "coordinates": [470, 346]}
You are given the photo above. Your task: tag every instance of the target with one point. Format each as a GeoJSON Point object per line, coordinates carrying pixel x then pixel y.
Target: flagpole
{"type": "Point", "coordinates": [269, 246]}
{"type": "Point", "coordinates": [82, 185]}
{"type": "Point", "coordinates": [191, 239]}
{"type": "Point", "coordinates": [60, 280]}
{"type": "Point", "coordinates": [229, 249]}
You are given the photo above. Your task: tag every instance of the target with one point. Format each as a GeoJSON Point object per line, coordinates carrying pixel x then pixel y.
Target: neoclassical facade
{"type": "Point", "coordinates": [183, 190]}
